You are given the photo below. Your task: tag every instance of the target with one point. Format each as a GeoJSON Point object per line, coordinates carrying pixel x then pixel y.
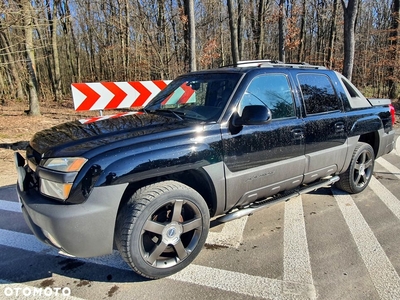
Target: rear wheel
{"type": "Point", "coordinates": [162, 228]}
{"type": "Point", "coordinates": [359, 173]}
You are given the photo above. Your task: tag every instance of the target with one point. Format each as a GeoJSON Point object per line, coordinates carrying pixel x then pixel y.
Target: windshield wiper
{"type": "Point", "coordinates": [175, 113]}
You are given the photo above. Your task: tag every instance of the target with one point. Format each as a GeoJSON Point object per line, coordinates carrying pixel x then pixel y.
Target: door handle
{"type": "Point", "coordinates": [298, 133]}
{"type": "Point", "coordinates": [339, 127]}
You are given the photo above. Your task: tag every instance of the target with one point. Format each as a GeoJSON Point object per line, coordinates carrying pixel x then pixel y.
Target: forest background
{"type": "Point", "coordinates": [47, 45]}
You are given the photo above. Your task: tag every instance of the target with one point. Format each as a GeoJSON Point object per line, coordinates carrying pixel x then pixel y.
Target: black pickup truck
{"type": "Point", "coordinates": [213, 144]}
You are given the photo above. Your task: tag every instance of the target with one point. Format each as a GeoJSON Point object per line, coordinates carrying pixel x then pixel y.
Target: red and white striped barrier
{"type": "Point", "coordinates": [115, 95]}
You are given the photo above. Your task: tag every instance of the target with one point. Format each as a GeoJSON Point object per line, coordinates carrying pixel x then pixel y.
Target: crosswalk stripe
{"type": "Point", "coordinates": [386, 196]}
{"type": "Point", "coordinates": [200, 275]}
{"type": "Point", "coordinates": [388, 166]}
{"type": "Point", "coordinates": [255, 286]}
{"type": "Point", "coordinates": [10, 206]}
{"type": "Point", "coordinates": [296, 259]}
{"type": "Point", "coordinates": [23, 241]}
{"type": "Point", "coordinates": [383, 275]}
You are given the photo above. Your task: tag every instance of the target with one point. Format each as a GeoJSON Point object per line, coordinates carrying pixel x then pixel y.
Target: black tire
{"type": "Point", "coordinates": [162, 228]}
{"type": "Point", "coordinates": [357, 176]}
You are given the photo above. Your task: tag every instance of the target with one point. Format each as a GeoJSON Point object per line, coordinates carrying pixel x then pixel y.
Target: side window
{"type": "Point", "coordinates": [318, 94]}
{"type": "Point", "coordinates": [273, 91]}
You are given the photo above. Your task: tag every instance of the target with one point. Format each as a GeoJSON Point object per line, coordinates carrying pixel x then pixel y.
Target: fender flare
{"type": "Point", "coordinates": [366, 125]}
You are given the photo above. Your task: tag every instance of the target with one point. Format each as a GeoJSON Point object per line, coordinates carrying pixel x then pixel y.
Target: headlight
{"type": "Point", "coordinates": [53, 187]}
{"type": "Point", "coordinates": [65, 164]}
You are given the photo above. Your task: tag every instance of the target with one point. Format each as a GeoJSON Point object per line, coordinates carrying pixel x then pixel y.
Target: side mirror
{"type": "Point", "coordinates": [253, 115]}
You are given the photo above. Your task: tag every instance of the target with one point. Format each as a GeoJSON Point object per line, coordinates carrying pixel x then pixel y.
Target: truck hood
{"type": "Point", "coordinates": [77, 138]}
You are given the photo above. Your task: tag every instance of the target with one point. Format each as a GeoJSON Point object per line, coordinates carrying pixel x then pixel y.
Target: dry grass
{"type": "Point", "coordinates": [17, 128]}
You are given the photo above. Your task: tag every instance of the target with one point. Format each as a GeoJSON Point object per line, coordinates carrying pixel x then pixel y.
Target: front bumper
{"type": "Point", "coordinates": [81, 230]}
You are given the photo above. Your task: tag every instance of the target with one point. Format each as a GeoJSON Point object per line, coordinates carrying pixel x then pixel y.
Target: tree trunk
{"type": "Point", "coordinates": [186, 34]}
{"type": "Point", "coordinates": [241, 22]}
{"type": "Point", "coordinates": [34, 107]}
{"type": "Point", "coordinates": [192, 36]}
{"type": "Point", "coordinates": [233, 32]}
{"type": "Point", "coordinates": [13, 70]}
{"type": "Point", "coordinates": [393, 83]}
{"type": "Point", "coordinates": [56, 60]}
{"type": "Point", "coordinates": [332, 35]}
{"type": "Point", "coordinates": [300, 53]}
{"type": "Point", "coordinates": [282, 29]}
{"type": "Point", "coordinates": [350, 16]}
{"type": "Point", "coordinates": [259, 38]}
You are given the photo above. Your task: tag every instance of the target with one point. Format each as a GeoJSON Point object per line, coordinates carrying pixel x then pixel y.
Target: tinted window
{"type": "Point", "coordinates": [318, 94]}
{"type": "Point", "coordinates": [196, 96]}
{"type": "Point", "coordinates": [273, 91]}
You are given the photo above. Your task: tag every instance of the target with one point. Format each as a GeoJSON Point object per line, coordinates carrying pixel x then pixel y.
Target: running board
{"type": "Point", "coordinates": [267, 203]}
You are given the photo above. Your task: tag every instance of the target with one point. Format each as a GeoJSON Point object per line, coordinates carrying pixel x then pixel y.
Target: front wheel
{"type": "Point", "coordinates": [162, 228]}
{"type": "Point", "coordinates": [357, 176]}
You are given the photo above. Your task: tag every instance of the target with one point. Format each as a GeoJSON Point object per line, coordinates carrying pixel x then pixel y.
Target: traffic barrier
{"type": "Point", "coordinates": [115, 95]}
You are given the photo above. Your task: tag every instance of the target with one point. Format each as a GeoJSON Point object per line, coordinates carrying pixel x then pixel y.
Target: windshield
{"type": "Point", "coordinates": [196, 96]}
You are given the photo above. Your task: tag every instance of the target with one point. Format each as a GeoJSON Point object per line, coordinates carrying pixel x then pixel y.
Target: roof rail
{"type": "Point", "coordinates": [300, 65]}
{"type": "Point", "coordinates": [273, 63]}
{"type": "Point", "coordinates": [251, 63]}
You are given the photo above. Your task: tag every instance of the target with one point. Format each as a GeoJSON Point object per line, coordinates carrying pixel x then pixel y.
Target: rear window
{"type": "Point", "coordinates": [318, 93]}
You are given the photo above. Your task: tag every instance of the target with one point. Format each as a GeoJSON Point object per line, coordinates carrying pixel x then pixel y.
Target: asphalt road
{"type": "Point", "coordinates": [322, 245]}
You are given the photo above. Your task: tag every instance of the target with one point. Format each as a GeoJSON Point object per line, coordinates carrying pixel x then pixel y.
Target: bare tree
{"type": "Point", "coordinates": [34, 108]}
{"type": "Point", "coordinates": [259, 27]}
{"type": "Point", "coordinates": [282, 28]}
{"type": "Point", "coordinates": [332, 34]}
{"type": "Point", "coordinates": [8, 49]}
{"type": "Point", "coordinates": [118, 40]}
{"type": "Point", "coordinates": [233, 32]}
{"type": "Point", "coordinates": [300, 52]}
{"type": "Point", "coordinates": [350, 10]}
{"type": "Point", "coordinates": [395, 50]}
{"type": "Point", "coordinates": [56, 61]}
{"type": "Point", "coordinates": [192, 36]}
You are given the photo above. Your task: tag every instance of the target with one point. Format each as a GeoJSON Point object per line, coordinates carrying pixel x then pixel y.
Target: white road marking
{"type": "Point", "coordinates": [241, 283]}
{"type": "Point", "coordinates": [24, 241]}
{"type": "Point", "coordinates": [388, 166]}
{"type": "Point", "coordinates": [205, 276]}
{"type": "Point", "coordinates": [383, 275]}
{"type": "Point", "coordinates": [296, 258]}
{"type": "Point", "coordinates": [231, 234]}
{"type": "Point", "coordinates": [386, 196]}
{"type": "Point", "coordinates": [10, 206]}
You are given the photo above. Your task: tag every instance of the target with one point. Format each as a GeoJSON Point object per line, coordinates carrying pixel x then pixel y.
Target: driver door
{"type": "Point", "coordinates": [262, 160]}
